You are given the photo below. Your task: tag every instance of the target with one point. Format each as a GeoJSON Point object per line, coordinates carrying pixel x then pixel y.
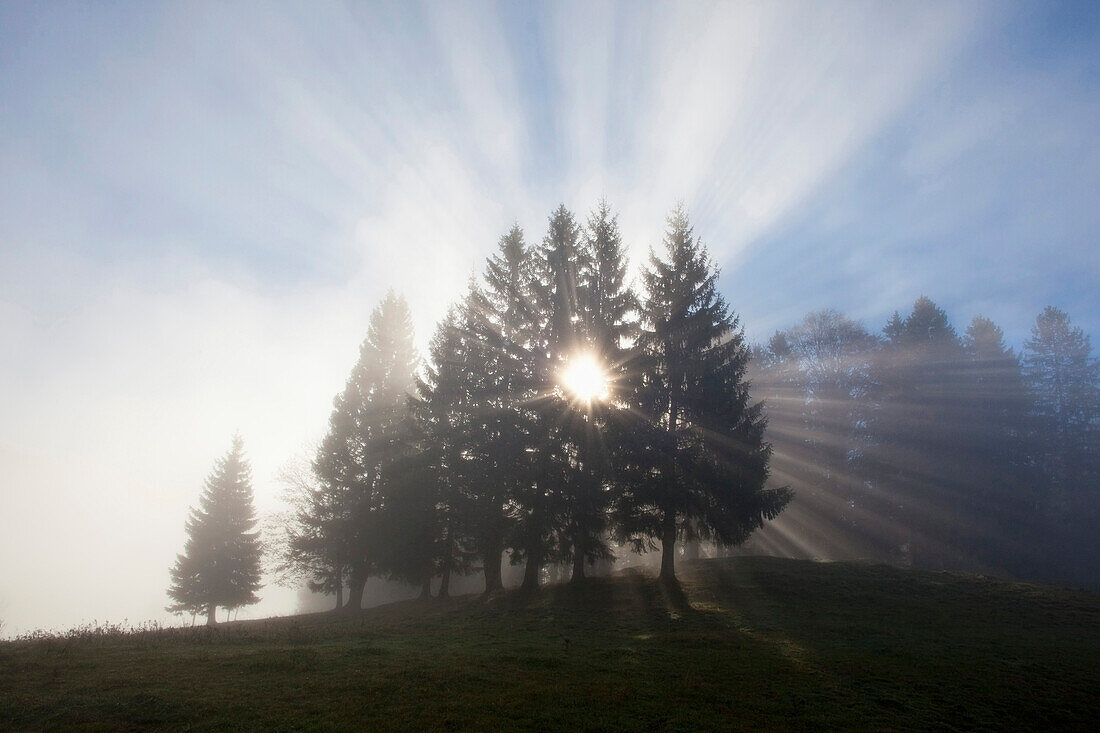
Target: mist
{"type": "Point", "coordinates": [209, 212]}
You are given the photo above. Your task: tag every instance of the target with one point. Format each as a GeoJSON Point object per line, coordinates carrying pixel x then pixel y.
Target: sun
{"type": "Point", "coordinates": [585, 378]}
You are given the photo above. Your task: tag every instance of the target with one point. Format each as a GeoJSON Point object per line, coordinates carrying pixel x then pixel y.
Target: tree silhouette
{"type": "Point", "coordinates": [555, 337]}
{"type": "Point", "coordinates": [506, 329]}
{"type": "Point", "coordinates": [607, 327]}
{"type": "Point", "coordinates": [365, 436]}
{"type": "Point", "coordinates": [999, 500]}
{"type": "Point", "coordinates": [220, 564]}
{"type": "Point", "coordinates": [699, 462]}
{"type": "Point", "coordinates": [1064, 380]}
{"type": "Point", "coordinates": [816, 381]}
{"type": "Point", "coordinates": [494, 451]}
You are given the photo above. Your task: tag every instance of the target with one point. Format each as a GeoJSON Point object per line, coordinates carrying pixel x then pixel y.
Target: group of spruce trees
{"type": "Point", "coordinates": [485, 453]}
{"type": "Point", "coordinates": [949, 451]}
{"type": "Point", "coordinates": [917, 443]}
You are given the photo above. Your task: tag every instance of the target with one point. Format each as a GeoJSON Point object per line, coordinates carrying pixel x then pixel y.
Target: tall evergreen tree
{"type": "Point", "coordinates": [366, 434]}
{"type": "Point", "coordinates": [220, 564]}
{"type": "Point", "coordinates": [425, 517]}
{"type": "Point", "coordinates": [919, 426]}
{"type": "Point", "coordinates": [701, 461]}
{"type": "Point", "coordinates": [607, 326]}
{"type": "Point", "coordinates": [555, 336]}
{"type": "Point", "coordinates": [506, 329]}
{"type": "Point", "coordinates": [608, 306]}
{"type": "Point", "coordinates": [1000, 501]}
{"type": "Point", "coordinates": [1064, 380]}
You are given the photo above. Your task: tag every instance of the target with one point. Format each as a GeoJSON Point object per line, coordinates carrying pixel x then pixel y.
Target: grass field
{"type": "Point", "coordinates": [752, 643]}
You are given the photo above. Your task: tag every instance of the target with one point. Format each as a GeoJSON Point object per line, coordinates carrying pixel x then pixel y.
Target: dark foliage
{"type": "Point", "coordinates": [696, 460]}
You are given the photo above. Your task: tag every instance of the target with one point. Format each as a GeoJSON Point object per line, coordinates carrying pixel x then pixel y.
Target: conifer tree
{"type": "Point", "coordinates": [220, 564]}
{"type": "Point", "coordinates": [1000, 497]}
{"type": "Point", "coordinates": [607, 319]}
{"type": "Point", "coordinates": [921, 377]}
{"type": "Point", "coordinates": [424, 516]}
{"type": "Point", "coordinates": [555, 337]}
{"type": "Point", "coordinates": [1064, 381]}
{"type": "Point", "coordinates": [506, 324]}
{"type": "Point", "coordinates": [366, 434]}
{"type": "Point", "coordinates": [467, 503]}
{"type": "Point", "coordinates": [700, 461]}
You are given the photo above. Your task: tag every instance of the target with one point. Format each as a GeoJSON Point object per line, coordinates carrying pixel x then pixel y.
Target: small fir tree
{"type": "Point", "coordinates": [220, 564]}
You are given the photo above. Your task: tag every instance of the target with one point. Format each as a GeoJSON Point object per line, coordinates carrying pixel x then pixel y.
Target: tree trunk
{"type": "Point", "coordinates": [448, 562]}
{"type": "Point", "coordinates": [668, 548]}
{"type": "Point", "coordinates": [532, 569]}
{"type": "Point", "coordinates": [578, 562]}
{"type": "Point", "coordinates": [211, 617]}
{"type": "Point", "coordinates": [534, 545]}
{"type": "Point", "coordinates": [668, 526]}
{"type": "Point", "coordinates": [355, 591]}
{"type": "Point", "coordinates": [491, 564]}
{"type": "Point", "coordinates": [339, 597]}
{"type": "Point", "coordinates": [426, 588]}
{"type": "Point", "coordinates": [445, 583]}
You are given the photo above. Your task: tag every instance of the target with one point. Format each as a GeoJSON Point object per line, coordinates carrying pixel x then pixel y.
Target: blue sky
{"type": "Point", "coordinates": [201, 202]}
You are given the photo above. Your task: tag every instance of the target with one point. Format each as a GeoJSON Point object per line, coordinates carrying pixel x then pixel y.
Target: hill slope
{"type": "Point", "coordinates": [749, 643]}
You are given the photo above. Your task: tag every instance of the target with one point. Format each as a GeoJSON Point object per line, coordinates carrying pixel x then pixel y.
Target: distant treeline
{"type": "Point", "coordinates": [560, 415]}
{"type": "Point", "coordinates": [945, 450]}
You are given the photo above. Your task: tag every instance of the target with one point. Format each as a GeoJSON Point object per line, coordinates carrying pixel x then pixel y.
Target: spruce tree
{"type": "Point", "coordinates": [451, 414]}
{"type": "Point", "coordinates": [700, 460]}
{"type": "Point", "coordinates": [555, 337]}
{"type": "Point", "coordinates": [220, 564]}
{"type": "Point", "coordinates": [424, 514]}
{"type": "Point", "coordinates": [506, 327]}
{"type": "Point", "coordinates": [921, 381]}
{"type": "Point", "coordinates": [607, 320]}
{"type": "Point", "coordinates": [366, 435]}
{"type": "Point", "coordinates": [1064, 381]}
{"type": "Point", "coordinates": [999, 497]}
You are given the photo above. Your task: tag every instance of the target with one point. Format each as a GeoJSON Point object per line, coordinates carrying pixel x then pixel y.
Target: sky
{"type": "Point", "coordinates": [200, 204]}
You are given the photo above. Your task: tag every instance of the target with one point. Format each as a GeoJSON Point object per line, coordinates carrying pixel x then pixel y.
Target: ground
{"type": "Point", "coordinates": [746, 643]}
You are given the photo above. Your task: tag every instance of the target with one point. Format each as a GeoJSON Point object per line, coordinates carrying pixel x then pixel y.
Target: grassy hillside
{"type": "Point", "coordinates": [749, 643]}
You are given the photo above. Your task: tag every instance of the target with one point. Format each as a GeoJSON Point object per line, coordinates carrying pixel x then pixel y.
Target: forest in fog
{"type": "Point", "coordinates": [564, 419]}
{"type": "Point", "coordinates": [924, 445]}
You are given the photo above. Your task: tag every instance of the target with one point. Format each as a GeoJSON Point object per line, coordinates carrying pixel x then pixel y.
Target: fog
{"type": "Point", "coordinates": [200, 205]}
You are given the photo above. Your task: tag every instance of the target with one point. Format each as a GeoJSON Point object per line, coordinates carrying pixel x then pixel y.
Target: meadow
{"type": "Point", "coordinates": [743, 643]}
